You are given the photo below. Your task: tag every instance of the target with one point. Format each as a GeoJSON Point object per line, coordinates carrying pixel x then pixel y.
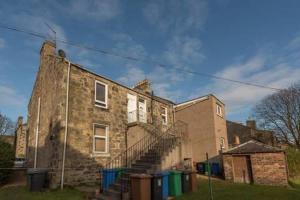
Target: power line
{"type": "Point", "coordinates": [127, 57]}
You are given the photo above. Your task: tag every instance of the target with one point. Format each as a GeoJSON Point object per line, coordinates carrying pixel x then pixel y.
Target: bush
{"type": "Point", "coordinates": [7, 156]}
{"type": "Point", "coordinates": [293, 158]}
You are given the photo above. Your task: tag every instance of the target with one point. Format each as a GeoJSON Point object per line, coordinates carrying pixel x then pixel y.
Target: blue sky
{"type": "Point", "coordinates": [253, 41]}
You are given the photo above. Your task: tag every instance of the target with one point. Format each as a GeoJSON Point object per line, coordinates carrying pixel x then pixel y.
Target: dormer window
{"type": "Point", "coordinates": [100, 94]}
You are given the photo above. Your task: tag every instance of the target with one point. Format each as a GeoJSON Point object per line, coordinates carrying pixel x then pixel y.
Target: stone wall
{"type": "Point", "coordinates": [269, 168]}
{"type": "Point", "coordinates": [227, 167]}
{"type": "Point", "coordinates": [20, 134]}
{"type": "Point", "coordinates": [50, 88]}
{"type": "Point", "coordinates": [81, 163]}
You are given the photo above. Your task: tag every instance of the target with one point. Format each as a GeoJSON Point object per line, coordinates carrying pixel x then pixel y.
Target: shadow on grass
{"type": "Point", "coordinates": [223, 190]}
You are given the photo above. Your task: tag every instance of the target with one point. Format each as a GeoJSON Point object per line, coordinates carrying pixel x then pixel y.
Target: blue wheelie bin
{"type": "Point", "coordinates": [215, 169]}
{"type": "Point", "coordinates": [165, 184]}
{"type": "Point", "coordinates": [108, 178]}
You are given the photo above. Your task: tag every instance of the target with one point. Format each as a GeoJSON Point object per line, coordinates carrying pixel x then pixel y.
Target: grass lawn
{"type": "Point", "coordinates": [229, 191]}
{"type": "Point", "coordinates": [16, 193]}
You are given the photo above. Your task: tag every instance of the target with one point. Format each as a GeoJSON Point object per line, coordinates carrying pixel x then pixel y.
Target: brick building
{"type": "Point", "coordinates": [79, 121]}
{"type": "Point", "coordinates": [255, 162]}
{"type": "Point", "coordinates": [238, 133]}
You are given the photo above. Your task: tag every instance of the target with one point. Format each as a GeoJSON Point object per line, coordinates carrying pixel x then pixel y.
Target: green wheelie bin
{"type": "Point", "coordinates": [175, 188]}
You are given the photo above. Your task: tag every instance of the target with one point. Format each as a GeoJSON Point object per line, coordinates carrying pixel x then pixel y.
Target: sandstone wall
{"type": "Point", "coordinates": [269, 168]}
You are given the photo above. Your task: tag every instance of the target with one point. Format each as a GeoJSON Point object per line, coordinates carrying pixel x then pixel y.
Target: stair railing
{"type": "Point", "coordinates": [158, 141]}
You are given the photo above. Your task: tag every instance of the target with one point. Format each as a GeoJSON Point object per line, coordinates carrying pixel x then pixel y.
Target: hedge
{"type": "Point", "coordinates": [7, 156]}
{"type": "Point", "coordinates": [293, 158]}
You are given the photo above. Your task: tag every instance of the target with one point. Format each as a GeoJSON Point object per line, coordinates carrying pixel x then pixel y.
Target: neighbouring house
{"type": "Point", "coordinates": [206, 122]}
{"type": "Point", "coordinates": [255, 162]}
{"type": "Point", "coordinates": [238, 133]}
{"type": "Point", "coordinates": [79, 121]}
{"type": "Point", "coordinates": [20, 138]}
{"type": "Point", "coordinates": [10, 139]}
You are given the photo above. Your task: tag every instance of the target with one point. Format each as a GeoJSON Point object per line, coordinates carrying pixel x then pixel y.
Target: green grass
{"type": "Point", "coordinates": [22, 193]}
{"type": "Point", "coordinates": [229, 191]}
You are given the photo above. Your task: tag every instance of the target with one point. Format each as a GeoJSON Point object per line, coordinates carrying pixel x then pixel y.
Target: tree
{"type": "Point", "coordinates": [5, 124]}
{"type": "Point", "coordinates": [280, 112]}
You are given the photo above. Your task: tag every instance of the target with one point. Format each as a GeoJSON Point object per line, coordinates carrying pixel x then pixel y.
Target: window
{"type": "Point", "coordinates": [100, 142]}
{"type": "Point", "coordinates": [100, 94]}
{"type": "Point", "coordinates": [164, 115]}
{"type": "Point", "coordinates": [219, 110]}
{"type": "Point", "coordinates": [222, 143]}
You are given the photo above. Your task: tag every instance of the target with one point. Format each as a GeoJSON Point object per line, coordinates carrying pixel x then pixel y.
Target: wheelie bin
{"type": "Point", "coordinates": [185, 181]}
{"type": "Point", "coordinates": [108, 178]}
{"type": "Point", "coordinates": [37, 179]}
{"type": "Point", "coordinates": [157, 186]}
{"type": "Point", "coordinates": [140, 186]}
{"type": "Point", "coordinates": [175, 188]}
{"type": "Point", "coordinates": [165, 184]}
{"type": "Point", "coordinates": [193, 181]}
{"type": "Point", "coordinates": [200, 167]}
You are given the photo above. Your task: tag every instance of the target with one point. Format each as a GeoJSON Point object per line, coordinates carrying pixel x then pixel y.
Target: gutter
{"type": "Point", "coordinates": [66, 128]}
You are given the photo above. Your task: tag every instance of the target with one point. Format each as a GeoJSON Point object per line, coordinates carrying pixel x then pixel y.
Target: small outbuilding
{"type": "Point", "coordinates": [255, 162]}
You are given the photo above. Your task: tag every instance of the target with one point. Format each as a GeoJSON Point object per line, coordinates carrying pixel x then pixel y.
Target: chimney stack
{"type": "Point", "coordinates": [144, 86]}
{"type": "Point", "coordinates": [251, 124]}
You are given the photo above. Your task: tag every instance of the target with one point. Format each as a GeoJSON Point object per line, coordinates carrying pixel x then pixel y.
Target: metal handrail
{"type": "Point", "coordinates": [159, 142]}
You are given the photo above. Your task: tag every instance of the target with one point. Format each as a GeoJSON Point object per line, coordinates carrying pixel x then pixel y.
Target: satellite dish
{"type": "Point", "coordinates": [61, 53]}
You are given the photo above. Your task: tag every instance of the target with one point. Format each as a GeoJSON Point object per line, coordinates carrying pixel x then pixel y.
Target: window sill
{"type": "Point", "coordinates": [220, 115]}
{"type": "Point", "coordinates": [100, 155]}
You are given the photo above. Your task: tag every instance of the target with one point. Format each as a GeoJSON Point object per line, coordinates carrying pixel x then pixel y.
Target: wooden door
{"type": "Point", "coordinates": [242, 169]}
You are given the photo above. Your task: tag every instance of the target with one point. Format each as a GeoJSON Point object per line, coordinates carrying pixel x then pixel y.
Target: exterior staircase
{"type": "Point", "coordinates": [144, 157]}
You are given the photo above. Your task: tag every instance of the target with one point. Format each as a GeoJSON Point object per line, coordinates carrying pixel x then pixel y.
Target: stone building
{"type": "Point", "coordinates": [79, 121]}
{"type": "Point", "coordinates": [255, 162]}
{"type": "Point", "coordinates": [239, 133]}
{"type": "Point", "coordinates": [20, 138]}
{"type": "Point", "coordinates": [205, 117]}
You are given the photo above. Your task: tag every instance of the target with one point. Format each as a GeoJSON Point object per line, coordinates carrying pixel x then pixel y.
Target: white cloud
{"type": "Point", "coordinates": [2, 43]}
{"type": "Point", "coordinates": [254, 70]}
{"type": "Point", "coordinates": [176, 16]}
{"type": "Point", "coordinates": [184, 50]}
{"type": "Point", "coordinates": [10, 97]}
{"type": "Point", "coordinates": [101, 10]}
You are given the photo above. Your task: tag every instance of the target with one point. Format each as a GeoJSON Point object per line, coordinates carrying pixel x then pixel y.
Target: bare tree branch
{"type": "Point", "coordinates": [280, 112]}
{"type": "Point", "coordinates": [5, 124]}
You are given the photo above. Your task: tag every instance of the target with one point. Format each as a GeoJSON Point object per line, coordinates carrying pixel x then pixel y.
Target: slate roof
{"type": "Point", "coordinates": [252, 146]}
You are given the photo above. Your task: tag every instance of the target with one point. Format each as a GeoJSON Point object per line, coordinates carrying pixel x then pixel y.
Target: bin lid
{"type": "Point", "coordinates": [157, 174]}
{"type": "Point", "coordinates": [37, 170]}
{"type": "Point", "coordinates": [175, 172]}
{"type": "Point", "coordinates": [140, 176]}
{"type": "Point", "coordinates": [108, 170]}
{"type": "Point", "coordinates": [186, 171]}
{"type": "Point", "coordinates": [165, 173]}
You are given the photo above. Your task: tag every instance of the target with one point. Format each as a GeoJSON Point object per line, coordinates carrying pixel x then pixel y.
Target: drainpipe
{"type": "Point", "coordinates": [66, 128]}
{"type": "Point", "coordinates": [37, 131]}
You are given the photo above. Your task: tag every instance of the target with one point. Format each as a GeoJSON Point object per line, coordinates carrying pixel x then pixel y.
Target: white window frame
{"type": "Point", "coordinates": [219, 110]}
{"type": "Point", "coordinates": [222, 142]}
{"type": "Point", "coordinates": [106, 94]}
{"type": "Point", "coordinates": [106, 137]}
{"type": "Point", "coordinates": [165, 114]}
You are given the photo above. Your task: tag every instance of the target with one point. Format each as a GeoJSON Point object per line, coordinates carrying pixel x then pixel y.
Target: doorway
{"type": "Point", "coordinates": [242, 170]}
{"type": "Point", "coordinates": [131, 108]}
